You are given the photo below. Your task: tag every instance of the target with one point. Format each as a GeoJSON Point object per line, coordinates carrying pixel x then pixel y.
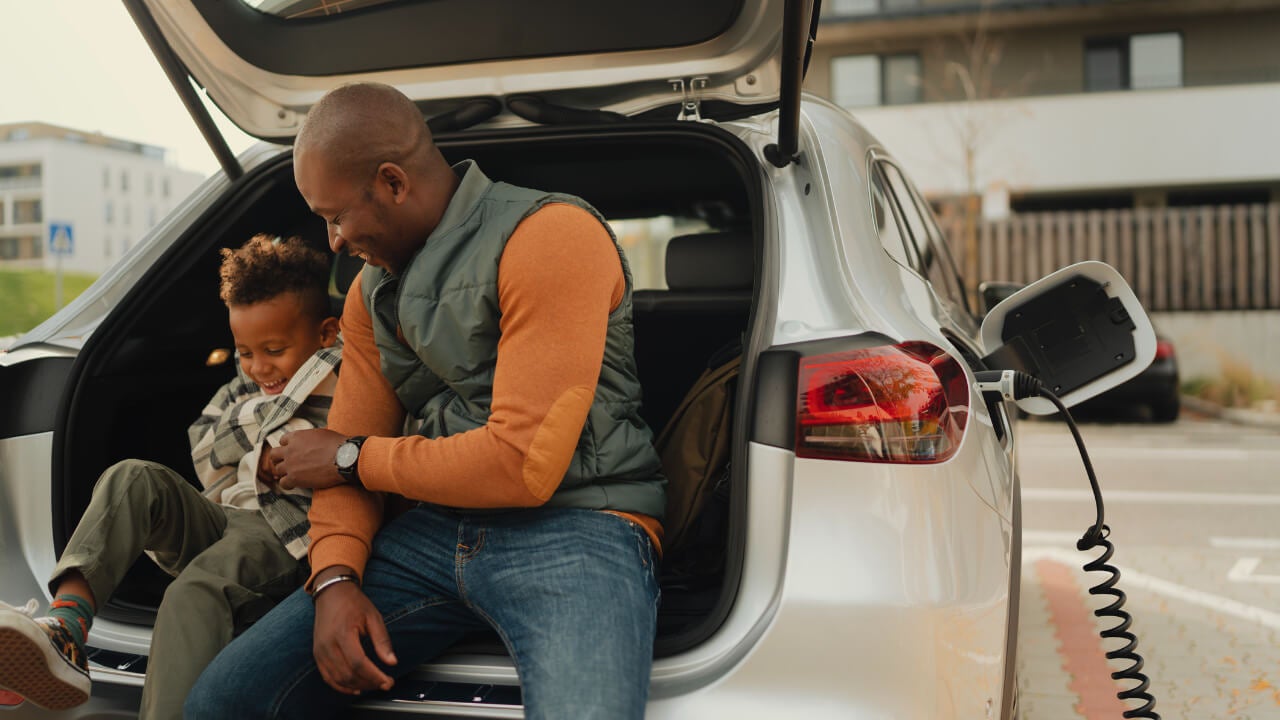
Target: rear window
{"type": "Point", "coordinates": [301, 9]}
{"type": "Point", "coordinates": [298, 37]}
{"type": "Point", "coordinates": [644, 242]}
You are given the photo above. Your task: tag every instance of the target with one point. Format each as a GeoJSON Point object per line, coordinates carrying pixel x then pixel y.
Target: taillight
{"type": "Point", "coordinates": [905, 403]}
{"type": "Point", "coordinates": [1164, 349]}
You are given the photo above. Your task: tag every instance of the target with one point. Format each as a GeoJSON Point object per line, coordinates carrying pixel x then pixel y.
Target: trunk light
{"type": "Point", "coordinates": [905, 403]}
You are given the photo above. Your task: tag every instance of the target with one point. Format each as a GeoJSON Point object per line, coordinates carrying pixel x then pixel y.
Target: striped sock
{"type": "Point", "coordinates": [75, 615]}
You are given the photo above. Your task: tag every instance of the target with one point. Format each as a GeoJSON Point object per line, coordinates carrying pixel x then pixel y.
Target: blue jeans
{"type": "Point", "coordinates": [572, 593]}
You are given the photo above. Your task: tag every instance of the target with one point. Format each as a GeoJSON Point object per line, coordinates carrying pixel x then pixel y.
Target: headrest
{"type": "Point", "coordinates": [343, 273]}
{"type": "Point", "coordinates": [711, 261]}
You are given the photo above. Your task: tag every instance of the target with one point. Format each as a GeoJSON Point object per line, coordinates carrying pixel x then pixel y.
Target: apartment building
{"type": "Point", "coordinates": [1140, 132]}
{"type": "Point", "coordinates": [93, 196]}
{"type": "Point", "coordinates": [1055, 104]}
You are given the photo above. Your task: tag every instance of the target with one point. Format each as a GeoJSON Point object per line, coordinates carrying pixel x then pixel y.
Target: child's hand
{"type": "Point", "coordinates": [305, 459]}
{"type": "Point", "coordinates": [266, 467]}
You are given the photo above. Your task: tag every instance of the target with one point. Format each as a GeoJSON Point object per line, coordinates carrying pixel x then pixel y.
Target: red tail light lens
{"type": "Point", "coordinates": [1164, 349]}
{"type": "Point", "coordinates": [905, 403]}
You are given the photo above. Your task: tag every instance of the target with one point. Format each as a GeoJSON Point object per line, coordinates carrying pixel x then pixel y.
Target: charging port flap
{"type": "Point", "coordinates": [1081, 331]}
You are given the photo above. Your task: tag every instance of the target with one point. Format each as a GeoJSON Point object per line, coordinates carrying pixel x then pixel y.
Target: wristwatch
{"type": "Point", "coordinates": [348, 457]}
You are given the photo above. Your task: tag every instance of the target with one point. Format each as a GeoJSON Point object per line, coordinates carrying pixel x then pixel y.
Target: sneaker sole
{"type": "Point", "coordinates": [26, 670]}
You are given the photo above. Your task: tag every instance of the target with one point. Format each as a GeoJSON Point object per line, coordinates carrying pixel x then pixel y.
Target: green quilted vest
{"type": "Point", "coordinates": [446, 307]}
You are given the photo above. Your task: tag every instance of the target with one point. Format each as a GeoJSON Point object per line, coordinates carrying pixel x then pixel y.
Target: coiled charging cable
{"type": "Point", "coordinates": [1014, 385]}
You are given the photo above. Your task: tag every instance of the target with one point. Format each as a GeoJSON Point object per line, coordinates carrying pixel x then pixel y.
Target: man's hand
{"type": "Point", "coordinates": [305, 459]}
{"type": "Point", "coordinates": [344, 615]}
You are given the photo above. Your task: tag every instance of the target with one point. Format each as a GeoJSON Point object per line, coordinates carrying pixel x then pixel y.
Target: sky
{"type": "Point", "coordinates": [83, 64]}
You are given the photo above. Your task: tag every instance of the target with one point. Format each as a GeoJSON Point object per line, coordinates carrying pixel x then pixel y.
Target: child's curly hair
{"type": "Point", "coordinates": [267, 265]}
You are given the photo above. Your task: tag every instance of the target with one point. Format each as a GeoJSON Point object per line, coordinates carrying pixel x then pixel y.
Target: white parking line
{"type": "Point", "coordinates": [1181, 454]}
{"type": "Point", "coordinates": [1243, 572]}
{"type": "Point", "coordinates": [1049, 537]}
{"type": "Point", "coordinates": [1133, 579]}
{"type": "Point", "coordinates": [1245, 543]}
{"type": "Point", "coordinates": [1145, 496]}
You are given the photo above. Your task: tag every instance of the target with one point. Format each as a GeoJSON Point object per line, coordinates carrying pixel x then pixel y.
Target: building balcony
{"type": "Point", "coordinates": [1085, 142]}
{"type": "Point", "coordinates": [20, 183]}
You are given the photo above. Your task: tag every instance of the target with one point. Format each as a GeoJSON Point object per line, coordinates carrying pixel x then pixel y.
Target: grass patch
{"type": "Point", "coordinates": [1238, 387]}
{"type": "Point", "coordinates": [27, 297]}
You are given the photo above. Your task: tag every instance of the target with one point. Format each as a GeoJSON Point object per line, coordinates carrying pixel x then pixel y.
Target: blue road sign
{"type": "Point", "coordinates": [61, 239]}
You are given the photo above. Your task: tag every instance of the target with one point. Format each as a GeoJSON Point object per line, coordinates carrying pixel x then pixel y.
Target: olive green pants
{"type": "Point", "coordinates": [229, 568]}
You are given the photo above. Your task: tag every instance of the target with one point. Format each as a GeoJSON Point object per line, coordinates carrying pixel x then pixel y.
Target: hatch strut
{"type": "Point", "coordinates": [797, 45]}
{"type": "Point", "coordinates": [178, 75]}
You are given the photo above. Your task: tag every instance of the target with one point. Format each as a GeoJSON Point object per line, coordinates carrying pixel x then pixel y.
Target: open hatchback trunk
{"type": "Point", "coordinates": [142, 377]}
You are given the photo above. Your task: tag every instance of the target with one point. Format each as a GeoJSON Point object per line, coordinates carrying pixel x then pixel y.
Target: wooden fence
{"type": "Point", "coordinates": [1197, 258]}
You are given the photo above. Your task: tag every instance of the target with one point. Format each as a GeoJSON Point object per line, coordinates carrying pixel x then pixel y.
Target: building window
{"type": "Point", "coordinates": [1136, 62]}
{"type": "Point", "coordinates": [868, 80]}
{"type": "Point", "coordinates": [4, 219]}
{"type": "Point", "coordinates": [26, 211]}
{"type": "Point", "coordinates": [164, 187]}
{"type": "Point", "coordinates": [109, 212]}
{"type": "Point", "coordinates": [844, 8]}
{"type": "Point", "coordinates": [124, 180]}
{"type": "Point", "coordinates": [126, 211]}
{"type": "Point", "coordinates": [23, 247]}
{"type": "Point", "coordinates": [851, 7]}
{"type": "Point", "coordinates": [150, 184]}
{"type": "Point", "coordinates": [25, 170]}
{"type": "Point", "coordinates": [106, 246]}
{"type": "Point", "coordinates": [106, 178]}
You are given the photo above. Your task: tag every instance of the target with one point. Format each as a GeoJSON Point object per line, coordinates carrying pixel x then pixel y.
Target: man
{"type": "Point", "coordinates": [499, 320]}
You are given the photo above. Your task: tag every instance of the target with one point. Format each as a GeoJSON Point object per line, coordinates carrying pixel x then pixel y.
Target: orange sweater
{"type": "Point", "coordinates": [557, 267]}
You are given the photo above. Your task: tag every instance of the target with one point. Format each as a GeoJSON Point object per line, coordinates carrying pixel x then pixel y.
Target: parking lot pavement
{"type": "Point", "coordinates": [1193, 510]}
{"type": "Point", "coordinates": [1206, 654]}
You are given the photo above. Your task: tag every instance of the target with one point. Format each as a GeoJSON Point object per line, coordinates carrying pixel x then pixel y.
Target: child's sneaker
{"type": "Point", "coordinates": [40, 660]}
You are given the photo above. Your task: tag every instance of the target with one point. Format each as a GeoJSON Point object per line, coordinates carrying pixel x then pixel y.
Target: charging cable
{"type": "Point", "coordinates": [1014, 385]}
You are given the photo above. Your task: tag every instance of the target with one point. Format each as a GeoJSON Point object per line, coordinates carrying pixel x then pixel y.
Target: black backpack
{"type": "Point", "coordinates": [695, 447]}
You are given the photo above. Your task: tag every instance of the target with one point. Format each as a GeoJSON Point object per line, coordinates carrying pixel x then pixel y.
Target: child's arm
{"type": "Point", "coordinates": [203, 433]}
{"type": "Point", "coordinates": [237, 389]}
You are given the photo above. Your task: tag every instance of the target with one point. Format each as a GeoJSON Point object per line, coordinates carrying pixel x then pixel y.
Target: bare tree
{"type": "Point", "coordinates": [969, 61]}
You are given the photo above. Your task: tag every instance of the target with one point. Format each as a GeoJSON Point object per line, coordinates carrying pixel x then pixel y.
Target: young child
{"type": "Point", "coordinates": [234, 550]}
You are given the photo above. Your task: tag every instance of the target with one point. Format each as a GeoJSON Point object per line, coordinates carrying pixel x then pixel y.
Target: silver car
{"type": "Point", "coordinates": [865, 544]}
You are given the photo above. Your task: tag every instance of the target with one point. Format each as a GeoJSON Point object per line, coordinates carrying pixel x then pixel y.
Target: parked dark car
{"type": "Point", "coordinates": [1156, 389]}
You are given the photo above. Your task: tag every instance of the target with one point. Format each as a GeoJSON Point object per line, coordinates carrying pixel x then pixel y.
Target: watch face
{"type": "Point", "coordinates": [348, 452]}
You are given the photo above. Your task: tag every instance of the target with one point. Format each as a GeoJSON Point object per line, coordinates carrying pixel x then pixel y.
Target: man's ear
{"type": "Point", "coordinates": [395, 180]}
{"type": "Point", "coordinates": [328, 332]}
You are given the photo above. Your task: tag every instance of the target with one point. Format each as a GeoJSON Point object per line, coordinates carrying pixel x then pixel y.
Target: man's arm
{"type": "Point", "coordinates": [345, 518]}
{"type": "Point", "coordinates": [558, 280]}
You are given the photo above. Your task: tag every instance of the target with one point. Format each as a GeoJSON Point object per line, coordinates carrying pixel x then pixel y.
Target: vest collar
{"type": "Point", "coordinates": [471, 188]}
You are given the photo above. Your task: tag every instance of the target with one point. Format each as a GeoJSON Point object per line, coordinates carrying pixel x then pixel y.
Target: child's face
{"type": "Point", "coordinates": [275, 337]}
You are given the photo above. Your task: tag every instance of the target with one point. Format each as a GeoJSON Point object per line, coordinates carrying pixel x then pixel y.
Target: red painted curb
{"type": "Point", "coordinates": [1083, 657]}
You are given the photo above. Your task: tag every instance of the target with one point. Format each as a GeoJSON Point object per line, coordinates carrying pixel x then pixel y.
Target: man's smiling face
{"type": "Point", "coordinates": [357, 220]}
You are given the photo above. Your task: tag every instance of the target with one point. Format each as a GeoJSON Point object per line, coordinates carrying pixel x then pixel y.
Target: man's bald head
{"type": "Point", "coordinates": [365, 162]}
{"type": "Point", "coordinates": [355, 128]}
